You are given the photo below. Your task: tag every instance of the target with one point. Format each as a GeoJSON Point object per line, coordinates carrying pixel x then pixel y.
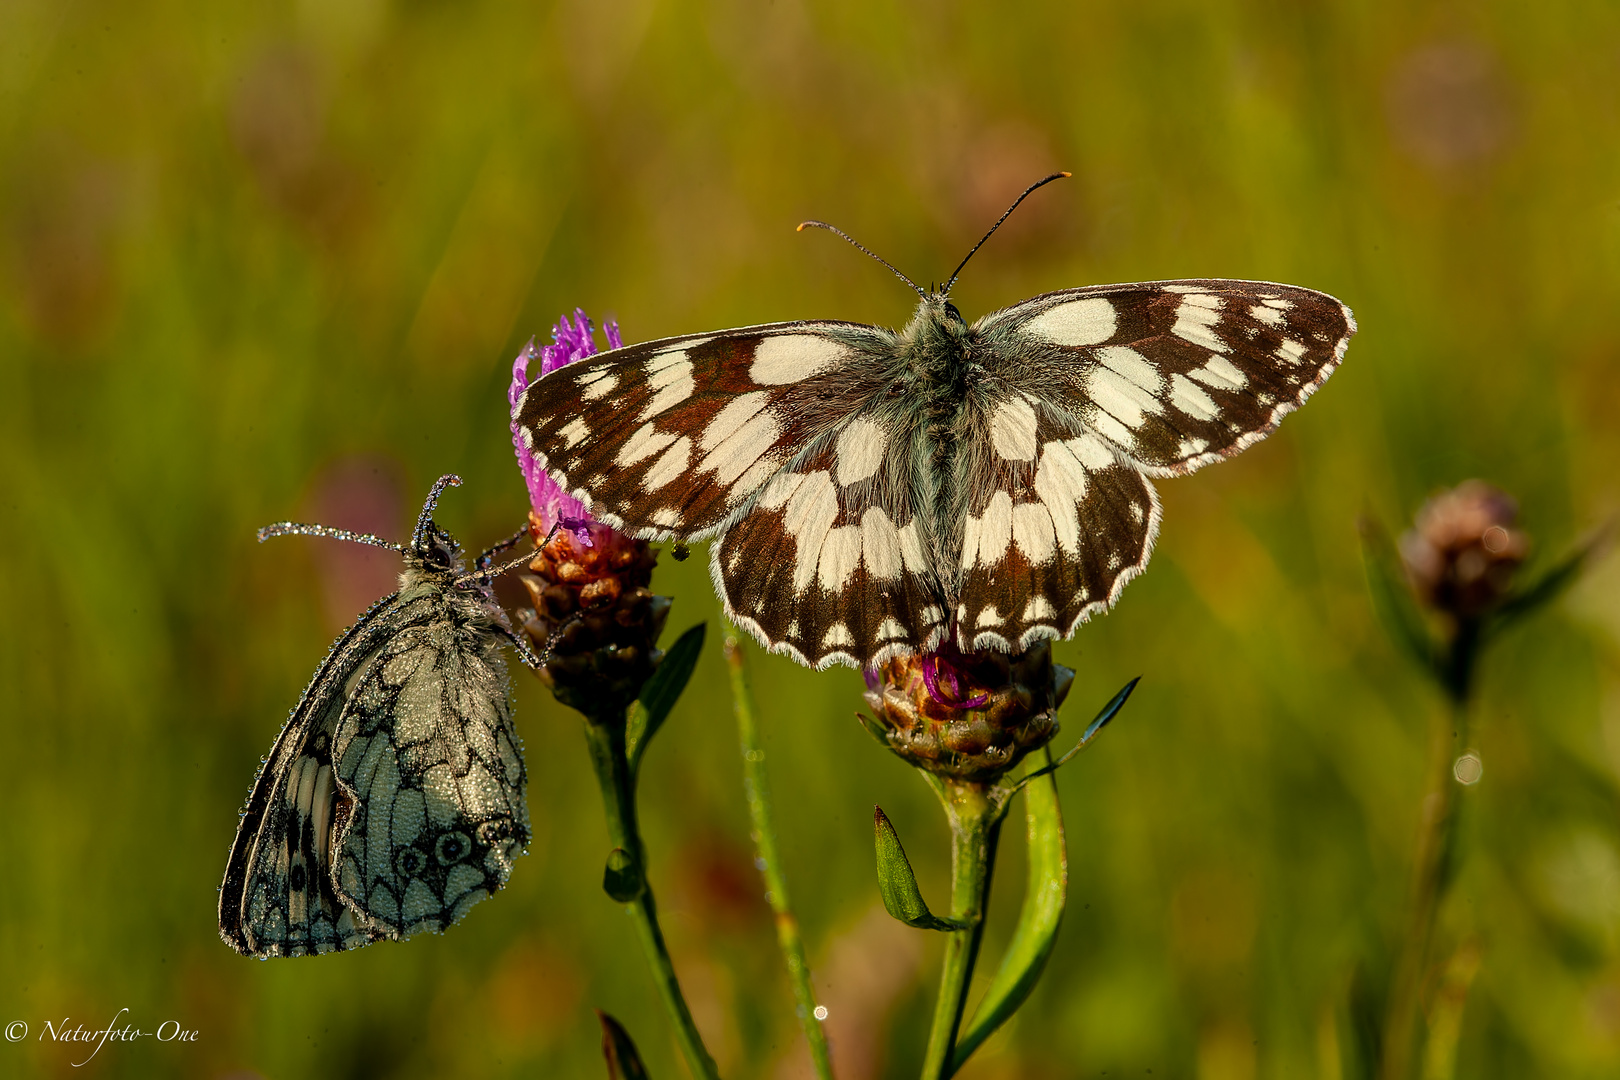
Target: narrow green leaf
{"type": "Point", "coordinates": [1392, 600]}
{"type": "Point", "coordinates": [1551, 585]}
{"type": "Point", "coordinates": [898, 884]}
{"type": "Point", "coordinates": [1100, 721]}
{"type": "Point", "coordinates": [1045, 895]}
{"type": "Point", "coordinates": [623, 1062]}
{"type": "Point", "coordinates": [658, 697]}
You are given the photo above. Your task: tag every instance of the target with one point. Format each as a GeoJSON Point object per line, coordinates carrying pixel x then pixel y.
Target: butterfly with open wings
{"type": "Point", "coordinates": [870, 493]}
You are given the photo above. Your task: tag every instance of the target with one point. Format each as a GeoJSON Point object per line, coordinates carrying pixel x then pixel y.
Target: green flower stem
{"type": "Point", "coordinates": [776, 891]}
{"type": "Point", "coordinates": [974, 811]}
{"type": "Point", "coordinates": [606, 737]}
{"type": "Point", "coordinates": [1431, 875]}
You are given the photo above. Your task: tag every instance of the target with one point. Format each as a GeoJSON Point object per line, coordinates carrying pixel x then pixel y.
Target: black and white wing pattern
{"type": "Point", "coordinates": [789, 445]}
{"type": "Point", "coordinates": [393, 799]}
{"type": "Point", "coordinates": [871, 493]}
{"type": "Point", "coordinates": [1089, 392]}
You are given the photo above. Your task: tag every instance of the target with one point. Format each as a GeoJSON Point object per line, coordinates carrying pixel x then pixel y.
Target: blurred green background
{"type": "Point", "coordinates": [265, 261]}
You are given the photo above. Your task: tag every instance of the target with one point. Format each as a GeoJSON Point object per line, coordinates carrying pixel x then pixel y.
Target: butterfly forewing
{"type": "Point", "coordinates": [1174, 373]}
{"type": "Point", "coordinates": [669, 438]}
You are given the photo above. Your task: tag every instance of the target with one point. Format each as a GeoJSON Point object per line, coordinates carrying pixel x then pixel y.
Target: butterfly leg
{"type": "Point", "coordinates": [525, 654]}
{"type": "Point", "coordinates": [487, 558]}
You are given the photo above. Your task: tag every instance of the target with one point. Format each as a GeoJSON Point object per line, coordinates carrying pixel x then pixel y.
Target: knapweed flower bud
{"type": "Point", "coordinates": [594, 618]}
{"type": "Point", "coordinates": [1462, 551]}
{"type": "Point", "coordinates": [969, 716]}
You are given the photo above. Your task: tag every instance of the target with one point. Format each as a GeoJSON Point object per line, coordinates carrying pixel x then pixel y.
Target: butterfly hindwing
{"type": "Point", "coordinates": [1176, 374]}
{"type": "Point", "coordinates": [668, 438]}
{"type": "Point", "coordinates": [833, 562]}
{"type": "Point", "coordinates": [427, 754]}
{"type": "Point", "coordinates": [1055, 523]}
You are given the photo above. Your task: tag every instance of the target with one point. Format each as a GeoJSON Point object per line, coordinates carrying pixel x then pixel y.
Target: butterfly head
{"type": "Point", "coordinates": [436, 549]}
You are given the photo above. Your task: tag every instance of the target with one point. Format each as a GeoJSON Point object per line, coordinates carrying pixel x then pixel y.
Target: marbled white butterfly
{"type": "Point", "coordinates": [871, 492]}
{"type": "Point", "coordinates": [393, 800]}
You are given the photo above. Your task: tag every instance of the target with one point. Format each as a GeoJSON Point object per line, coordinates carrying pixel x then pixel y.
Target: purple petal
{"type": "Point", "coordinates": [944, 683]}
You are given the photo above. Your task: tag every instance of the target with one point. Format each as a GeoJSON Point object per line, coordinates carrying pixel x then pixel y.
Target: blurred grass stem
{"type": "Point", "coordinates": [1433, 864]}
{"type": "Point", "coordinates": [760, 813]}
{"type": "Point", "coordinates": [606, 737]}
{"type": "Point", "coordinates": [974, 810]}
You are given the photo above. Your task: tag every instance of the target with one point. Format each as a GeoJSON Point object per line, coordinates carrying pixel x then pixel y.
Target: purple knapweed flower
{"type": "Point", "coordinates": [971, 716]}
{"type": "Point", "coordinates": [550, 504]}
{"type": "Point", "coordinates": [594, 617]}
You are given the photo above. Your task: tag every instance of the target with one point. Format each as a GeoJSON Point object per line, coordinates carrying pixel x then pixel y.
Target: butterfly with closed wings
{"type": "Point", "coordinates": [870, 493]}
{"type": "Point", "coordinates": [393, 800]}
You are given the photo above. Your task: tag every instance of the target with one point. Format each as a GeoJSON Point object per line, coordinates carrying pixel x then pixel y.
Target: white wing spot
{"type": "Point", "coordinates": [1277, 302]}
{"type": "Point", "coordinates": [1135, 369]}
{"type": "Point", "coordinates": [810, 514]}
{"type": "Point", "coordinates": [787, 358]}
{"type": "Point", "coordinates": [1060, 481]}
{"type": "Point", "coordinates": [911, 552]}
{"type": "Point", "coordinates": [1116, 398]}
{"type": "Point", "coordinates": [840, 555]}
{"type": "Point", "coordinates": [1220, 374]}
{"type": "Point", "coordinates": [987, 536]}
{"type": "Point", "coordinates": [673, 384]}
{"type": "Point", "coordinates": [1033, 532]}
{"type": "Point", "coordinates": [838, 635]}
{"type": "Point", "coordinates": [1137, 513]}
{"type": "Point", "coordinates": [860, 450]}
{"type": "Point", "coordinates": [574, 432]}
{"type": "Point", "coordinates": [1039, 609]}
{"type": "Point", "coordinates": [1190, 398]}
{"type": "Point", "coordinates": [672, 379]}
{"type": "Point", "coordinates": [889, 630]}
{"type": "Point", "coordinates": [881, 545]}
{"type": "Point", "coordinates": [599, 385]}
{"type": "Point", "coordinates": [666, 517]}
{"type": "Point", "coordinates": [738, 441]}
{"type": "Point", "coordinates": [1088, 321]}
{"type": "Point", "coordinates": [646, 442]}
{"type": "Point", "coordinates": [670, 465]}
{"type": "Point", "coordinates": [1091, 452]}
{"type": "Point", "coordinates": [731, 418]}
{"type": "Point", "coordinates": [1290, 351]}
{"type": "Point", "coordinates": [1192, 446]}
{"type": "Point", "coordinates": [1012, 430]}
{"type": "Point", "coordinates": [749, 482]}
{"type": "Point", "coordinates": [1266, 314]}
{"type": "Point", "coordinates": [669, 357]}
{"type": "Point", "coordinates": [933, 615]}
{"type": "Point", "coordinates": [988, 617]}
{"type": "Point", "coordinates": [1107, 425]}
{"type": "Point", "coordinates": [1195, 317]}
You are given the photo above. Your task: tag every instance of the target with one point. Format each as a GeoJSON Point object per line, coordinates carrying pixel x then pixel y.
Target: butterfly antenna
{"type": "Point", "coordinates": [1039, 183]}
{"type": "Point", "coordinates": [803, 225]}
{"type": "Point", "coordinates": [424, 522]}
{"type": "Point", "coordinates": [293, 528]}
